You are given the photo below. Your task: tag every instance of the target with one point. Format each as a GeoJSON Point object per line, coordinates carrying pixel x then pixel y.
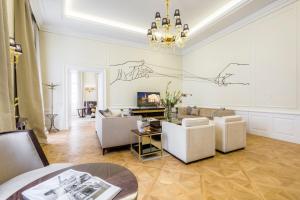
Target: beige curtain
{"type": "Point", "coordinates": [7, 120]}
{"type": "Point", "coordinates": [28, 72]}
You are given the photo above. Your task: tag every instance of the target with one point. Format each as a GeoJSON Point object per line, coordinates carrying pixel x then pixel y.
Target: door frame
{"type": "Point", "coordinates": [67, 93]}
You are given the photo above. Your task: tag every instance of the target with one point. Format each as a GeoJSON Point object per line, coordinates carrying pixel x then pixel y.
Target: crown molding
{"type": "Point", "coordinates": [277, 5]}
{"type": "Point", "coordinates": [38, 9]}
{"type": "Point", "coordinates": [107, 40]}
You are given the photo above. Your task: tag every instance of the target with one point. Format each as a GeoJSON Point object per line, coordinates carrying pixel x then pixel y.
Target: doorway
{"type": "Point", "coordinates": [85, 94]}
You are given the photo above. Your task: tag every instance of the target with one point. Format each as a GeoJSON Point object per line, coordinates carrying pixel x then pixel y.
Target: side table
{"type": "Point", "coordinates": [144, 150]}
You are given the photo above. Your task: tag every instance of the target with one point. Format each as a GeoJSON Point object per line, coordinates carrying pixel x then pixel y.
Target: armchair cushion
{"type": "Point", "coordinates": [227, 119]}
{"type": "Point", "coordinates": [18, 182]}
{"type": "Point", "coordinates": [232, 118]}
{"type": "Point", "coordinates": [190, 122]}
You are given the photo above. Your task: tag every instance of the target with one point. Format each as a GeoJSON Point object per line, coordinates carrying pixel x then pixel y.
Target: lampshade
{"type": "Point", "coordinates": [149, 34]}
{"type": "Point", "coordinates": [18, 49]}
{"type": "Point", "coordinates": [153, 26]}
{"type": "Point", "coordinates": [186, 28]}
{"type": "Point", "coordinates": [12, 43]}
{"type": "Point", "coordinates": [178, 23]}
{"type": "Point", "coordinates": [164, 22]}
{"type": "Point", "coordinates": [157, 16]}
{"type": "Point", "coordinates": [177, 14]}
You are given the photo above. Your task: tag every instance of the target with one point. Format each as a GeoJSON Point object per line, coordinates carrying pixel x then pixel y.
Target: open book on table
{"type": "Point", "coordinates": [72, 185]}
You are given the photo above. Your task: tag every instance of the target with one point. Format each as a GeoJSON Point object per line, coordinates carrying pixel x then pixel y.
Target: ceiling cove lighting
{"type": "Point", "coordinates": [104, 21]}
{"type": "Point", "coordinates": [227, 8]}
{"type": "Point", "coordinates": [218, 14]}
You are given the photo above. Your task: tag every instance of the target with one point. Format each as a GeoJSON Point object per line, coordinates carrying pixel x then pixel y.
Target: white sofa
{"type": "Point", "coordinates": [230, 133]}
{"type": "Point", "coordinates": [22, 161]}
{"type": "Point", "coordinates": [114, 131]}
{"type": "Point", "coordinates": [191, 141]}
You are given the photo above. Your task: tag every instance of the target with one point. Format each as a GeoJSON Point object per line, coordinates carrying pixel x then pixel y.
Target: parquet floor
{"type": "Point", "coordinates": [266, 170]}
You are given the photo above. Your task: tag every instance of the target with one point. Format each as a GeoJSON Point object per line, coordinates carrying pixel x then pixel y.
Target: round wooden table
{"type": "Point", "coordinates": [112, 173]}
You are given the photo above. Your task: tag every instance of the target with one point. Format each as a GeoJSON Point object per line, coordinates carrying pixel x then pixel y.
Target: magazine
{"type": "Point", "coordinates": [72, 185]}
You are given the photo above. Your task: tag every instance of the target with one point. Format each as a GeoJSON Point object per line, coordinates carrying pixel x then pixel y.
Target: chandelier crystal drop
{"type": "Point", "coordinates": [168, 33]}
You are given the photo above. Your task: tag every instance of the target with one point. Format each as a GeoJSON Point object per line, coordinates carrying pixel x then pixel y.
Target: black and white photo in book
{"type": "Point", "coordinates": [72, 185]}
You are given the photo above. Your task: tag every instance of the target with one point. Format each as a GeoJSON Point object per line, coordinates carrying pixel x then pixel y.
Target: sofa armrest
{"type": "Point", "coordinates": [116, 130]}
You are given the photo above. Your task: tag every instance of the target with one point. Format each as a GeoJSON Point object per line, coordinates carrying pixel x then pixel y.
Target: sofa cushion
{"type": "Point", "coordinates": [106, 113]}
{"type": "Point", "coordinates": [18, 182]}
{"type": "Point", "coordinates": [182, 111]}
{"type": "Point", "coordinates": [190, 122]}
{"type": "Point", "coordinates": [188, 110]}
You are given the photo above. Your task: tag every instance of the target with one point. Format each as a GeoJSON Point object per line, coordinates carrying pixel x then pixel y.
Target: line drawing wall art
{"type": "Point", "coordinates": [139, 69]}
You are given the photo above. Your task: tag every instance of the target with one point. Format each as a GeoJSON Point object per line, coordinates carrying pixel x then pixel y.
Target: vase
{"type": "Point", "coordinates": [168, 113]}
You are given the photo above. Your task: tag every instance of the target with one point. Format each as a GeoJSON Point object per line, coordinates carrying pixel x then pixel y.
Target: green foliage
{"type": "Point", "coordinates": [171, 98]}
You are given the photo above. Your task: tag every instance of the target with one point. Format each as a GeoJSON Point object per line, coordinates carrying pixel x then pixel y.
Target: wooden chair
{"type": "Point", "coordinates": [22, 161]}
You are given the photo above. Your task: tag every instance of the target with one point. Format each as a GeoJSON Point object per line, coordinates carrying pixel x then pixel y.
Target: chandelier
{"type": "Point", "coordinates": [165, 33]}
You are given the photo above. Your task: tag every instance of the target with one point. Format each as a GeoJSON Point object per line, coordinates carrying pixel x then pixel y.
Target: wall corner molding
{"type": "Point", "coordinates": [38, 10]}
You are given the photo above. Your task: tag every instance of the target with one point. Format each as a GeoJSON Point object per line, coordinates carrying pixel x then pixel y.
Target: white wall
{"type": "Point", "coordinates": [271, 103]}
{"type": "Point", "coordinates": [60, 51]}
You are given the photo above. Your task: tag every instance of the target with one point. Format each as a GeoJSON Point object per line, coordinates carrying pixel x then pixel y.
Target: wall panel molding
{"type": "Point", "coordinates": [279, 126]}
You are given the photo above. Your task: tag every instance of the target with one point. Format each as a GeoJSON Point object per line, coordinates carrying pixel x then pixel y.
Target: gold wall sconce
{"type": "Point", "coordinates": [15, 51]}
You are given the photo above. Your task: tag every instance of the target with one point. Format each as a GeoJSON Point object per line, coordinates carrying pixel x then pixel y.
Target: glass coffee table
{"type": "Point", "coordinates": [146, 148]}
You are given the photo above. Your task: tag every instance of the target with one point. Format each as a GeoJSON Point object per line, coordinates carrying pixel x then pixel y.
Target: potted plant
{"type": "Point", "coordinates": [170, 100]}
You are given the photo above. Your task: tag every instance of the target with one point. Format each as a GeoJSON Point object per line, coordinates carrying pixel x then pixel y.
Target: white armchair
{"type": "Point", "coordinates": [191, 141]}
{"type": "Point", "coordinates": [230, 133]}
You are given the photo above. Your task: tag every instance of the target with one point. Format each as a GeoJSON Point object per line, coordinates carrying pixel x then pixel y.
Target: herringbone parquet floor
{"type": "Point", "coordinates": [266, 170]}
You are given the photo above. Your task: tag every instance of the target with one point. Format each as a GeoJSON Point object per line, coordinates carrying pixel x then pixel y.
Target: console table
{"type": "Point", "coordinates": [148, 112]}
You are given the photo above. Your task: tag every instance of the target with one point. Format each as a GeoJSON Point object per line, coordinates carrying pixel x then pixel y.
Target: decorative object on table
{"type": "Point", "coordinates": [122, 112]}
{"type": "Point", "coordinates": [144, 150]}
{"type": "Point", "coordinates": [163, 34]}
{"type": "Point", "coordinates": [51, 115]}
{"type": "Point", "coordinates": [170, 100]}
{"type": "Point", "coordinates": [15, 52]}
{"type": "Point", "coordinates": [139, 69]}
{"type": "Point", "coordinates": [73, 184]}
{"type": "Point", "coordinates": [142, 124]}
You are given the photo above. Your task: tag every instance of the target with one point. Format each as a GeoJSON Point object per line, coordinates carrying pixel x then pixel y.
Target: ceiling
{"type": "Point", "coordinates": [135, 16]}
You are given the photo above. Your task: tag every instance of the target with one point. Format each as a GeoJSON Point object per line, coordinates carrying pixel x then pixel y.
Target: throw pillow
{"type": "Point", "coordinates": [188, 110]}
{"type": "Point", "coordinates": [195, 111]}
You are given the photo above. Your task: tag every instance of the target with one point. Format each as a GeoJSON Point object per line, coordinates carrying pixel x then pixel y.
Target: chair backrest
{"type": "Point", "coordinates": [227, 119]}
{"type": "Point", "coordinates": [190, 122]}
{"type": "Point", "coordinates": [20, 152]}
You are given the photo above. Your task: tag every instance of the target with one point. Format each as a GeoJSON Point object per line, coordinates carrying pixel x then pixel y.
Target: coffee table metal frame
{"type": "Point", "coordinates": [138, 148]}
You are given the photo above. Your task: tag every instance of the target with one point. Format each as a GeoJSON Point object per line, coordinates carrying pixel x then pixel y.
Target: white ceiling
{"type": "Point", "coordinates": [139, 14]}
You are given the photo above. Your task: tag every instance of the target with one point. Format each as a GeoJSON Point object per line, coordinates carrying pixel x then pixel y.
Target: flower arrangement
{"type": "Point", "coordinates": [170, 100]}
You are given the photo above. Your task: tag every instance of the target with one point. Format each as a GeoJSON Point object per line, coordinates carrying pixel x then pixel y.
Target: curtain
{"type": "Point", "coordinates": [29, 72]}
{"type": "Point", "coordinates": [7, 120]}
